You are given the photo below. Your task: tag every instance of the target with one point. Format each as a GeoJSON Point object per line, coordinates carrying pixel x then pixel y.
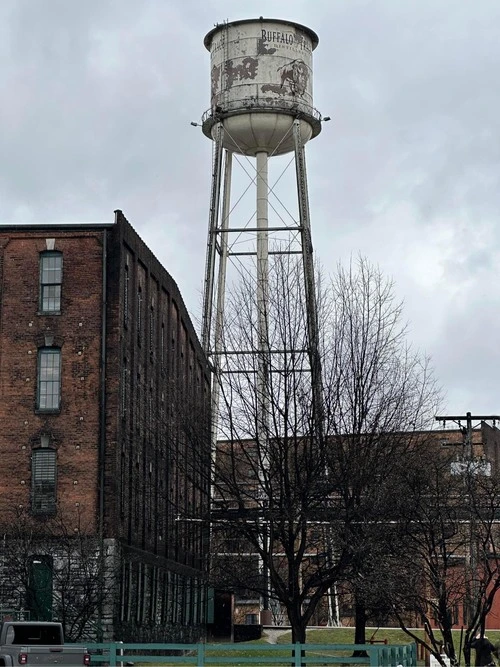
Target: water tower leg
{"type": "Point", "coordinates": [208, 293]}
{"type": "Point", "coordinates": [221, 292]}
{"type": "Point", "coordinates": [309, 280]}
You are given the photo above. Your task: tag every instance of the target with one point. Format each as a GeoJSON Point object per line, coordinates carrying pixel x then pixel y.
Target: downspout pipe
{"type": "Point", "coordinates": [102, 430]}
{"type": "Point", "coordinates": [102, 407]}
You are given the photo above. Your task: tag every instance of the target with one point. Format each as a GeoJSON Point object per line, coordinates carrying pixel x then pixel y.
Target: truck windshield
{"type": "Point", "coordinates": [37, 634]}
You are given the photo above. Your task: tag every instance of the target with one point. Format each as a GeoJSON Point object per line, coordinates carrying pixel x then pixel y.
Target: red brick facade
{"type": "Point", "coordinates": [73, 430]}
{"type": "Point", "coordinates": [131, 367]}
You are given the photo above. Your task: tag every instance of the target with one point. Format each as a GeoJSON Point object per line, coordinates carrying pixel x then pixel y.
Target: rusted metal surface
{"type": "Point", "coordinates": [261, 67]}
{"type": "Point", "coordinates": [246, 69]}
{"type": "Point", "coordinates": [259, 58]}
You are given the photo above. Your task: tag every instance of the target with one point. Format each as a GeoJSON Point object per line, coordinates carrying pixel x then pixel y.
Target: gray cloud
{"type": "Point", "coordinates": [97, 98]}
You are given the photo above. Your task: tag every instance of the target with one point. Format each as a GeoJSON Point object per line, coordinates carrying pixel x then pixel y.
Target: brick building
{"type": "Point", "coordinates": [100, 371]}
{"type": "Point", "coordinates": [337, 607]}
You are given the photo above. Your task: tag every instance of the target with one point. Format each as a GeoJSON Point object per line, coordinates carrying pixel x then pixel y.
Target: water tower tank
{"type": "Point", "coordinates": [261, 76]}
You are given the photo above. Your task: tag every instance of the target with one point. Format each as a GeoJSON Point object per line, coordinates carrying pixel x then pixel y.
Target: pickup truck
{"type": "Point", "coordinates": [38, 643]}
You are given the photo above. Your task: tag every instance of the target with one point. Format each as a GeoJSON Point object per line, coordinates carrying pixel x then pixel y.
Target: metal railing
{"type": "Point", "coordinates": [219, 655]}
{"type": "Point", "coordinates": [247, 104]}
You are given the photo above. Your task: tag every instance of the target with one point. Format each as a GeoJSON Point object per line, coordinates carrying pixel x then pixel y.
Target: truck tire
{"type": "Point", "coordinates": [5, 660]}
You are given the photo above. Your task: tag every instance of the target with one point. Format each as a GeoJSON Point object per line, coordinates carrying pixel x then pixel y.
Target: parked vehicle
{"type": "Point", "coordinates": [38, 643]}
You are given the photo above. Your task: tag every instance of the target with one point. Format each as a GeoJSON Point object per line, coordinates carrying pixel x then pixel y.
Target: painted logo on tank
{"type": "Point", "coordinates": [294, 77]}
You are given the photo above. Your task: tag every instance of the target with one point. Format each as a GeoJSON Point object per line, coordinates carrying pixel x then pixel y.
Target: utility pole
{"type": "Point", "coordinates": [468, 418]}
{"type": "Point", "coordinates": [469, 470]}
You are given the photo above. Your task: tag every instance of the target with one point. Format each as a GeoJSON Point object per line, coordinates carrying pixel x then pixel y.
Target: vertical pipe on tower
{"type": "Point", "coordinates": [262, 292]}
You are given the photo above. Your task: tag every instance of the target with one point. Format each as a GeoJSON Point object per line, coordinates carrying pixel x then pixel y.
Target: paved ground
{"type": "Point", "coordinates": [271, 634]}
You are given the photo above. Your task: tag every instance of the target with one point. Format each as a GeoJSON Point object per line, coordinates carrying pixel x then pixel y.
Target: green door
{"type": "Point", "coordinates": [40, 590]}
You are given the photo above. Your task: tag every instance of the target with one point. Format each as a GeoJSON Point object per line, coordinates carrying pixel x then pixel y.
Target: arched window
{"type": "Point", "coordinates": [50, 281]}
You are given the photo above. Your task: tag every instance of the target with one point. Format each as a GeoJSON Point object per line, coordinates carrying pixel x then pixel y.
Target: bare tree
{"type": "Point", "coordinates": [450, 560]}
{"type": "Point", "coordinates": [379, 393]}
{"type": "Point", "coordinates": [79, 578]}
{"type": "Point", "coordinates": [300, 497]}
{"type": "Point", "coordinates": [270, 483]}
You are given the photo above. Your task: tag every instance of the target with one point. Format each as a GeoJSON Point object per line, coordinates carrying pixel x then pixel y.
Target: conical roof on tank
{"type": "Point", "coordinates": [261, 82]}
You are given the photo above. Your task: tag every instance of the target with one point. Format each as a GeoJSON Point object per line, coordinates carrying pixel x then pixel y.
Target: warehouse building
{"type": "Point", "coordinates": [101, 372]}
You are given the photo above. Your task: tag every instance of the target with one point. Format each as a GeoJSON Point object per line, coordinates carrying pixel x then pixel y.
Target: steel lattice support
{"type": "Point", "coordinates": [309, 280]}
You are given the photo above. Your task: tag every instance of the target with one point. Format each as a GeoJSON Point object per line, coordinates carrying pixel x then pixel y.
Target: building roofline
{"type": "Point", "coordinates": [432, 432]}
{"type": "Point", "coordinates": [63, 226]}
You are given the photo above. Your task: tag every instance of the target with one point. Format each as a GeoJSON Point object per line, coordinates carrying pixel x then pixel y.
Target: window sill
{"type": "Point", "coordinates": [49, 313]}
{"type": "Point", "coordinates": [50, 411]}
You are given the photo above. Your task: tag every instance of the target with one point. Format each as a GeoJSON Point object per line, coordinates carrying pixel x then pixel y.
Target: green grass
{"type": "Point", "coordinates": [321, 636]}
{"type": "Point", "coordinates": [393, 636]}
{"type": "Point", "coordinates": [346, 636]}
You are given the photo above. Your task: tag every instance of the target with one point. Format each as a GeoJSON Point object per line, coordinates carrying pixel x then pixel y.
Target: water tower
{"type": "Point", "coordinates": [261, 107]}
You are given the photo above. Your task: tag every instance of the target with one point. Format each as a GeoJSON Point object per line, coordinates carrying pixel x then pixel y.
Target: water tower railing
{"type": "Point", "coordinates": [245, 105]}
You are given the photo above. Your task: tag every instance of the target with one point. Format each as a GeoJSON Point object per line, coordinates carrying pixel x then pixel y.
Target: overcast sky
{"type": "Point", "coordinates": [97, 99]}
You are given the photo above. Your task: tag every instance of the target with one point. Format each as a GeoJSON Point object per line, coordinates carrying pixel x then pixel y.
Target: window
{"type": "Point", "coordinates": [140, 596]}
{"type": "Point", "coordinates": [49, 379]}
{"type": "Point", "coordinates": [153, 617]}
{"type": "Point", "coordinates": [162, 344]}
{"type": "Point", "coordinates": [151, 331]}
{"type": "Point", "coordinates": [150, 407]}
{"type": "Point", "coordinates": [43, 481]}
{"type": "Point", "coordinates": [125, 297]}
{"type": "Point", "coordinates": [124, 592]}
{"type": "Point", "coordinates": [124, 404]}
{"type": "Point", "coordinates": [139, 314]}
{"type": "Point", "coordinates": [126, 588]}
{"type": "Point", "coordinates": [50, 282]}
{"type": "Point", "coordinates": [187, 602]}
{"type": "Point", "coordinates": [123, 484]}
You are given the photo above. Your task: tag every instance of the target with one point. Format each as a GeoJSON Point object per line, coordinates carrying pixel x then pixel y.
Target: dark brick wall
{"type": "Point", "coordinates": [157, 378]}
{"type": "Point", "coordinates": [158, 371]}
{"type": "Point", "coordinates": [157, 600]}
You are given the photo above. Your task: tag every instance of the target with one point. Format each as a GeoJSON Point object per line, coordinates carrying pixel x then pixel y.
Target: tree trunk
{"type": "Point", "coordinates": [467, 652]}
{"type": "Point", "coordinates": [359, 626]}
{"type": "Point", "coordinates": [449, 647]}
{"type": "Point", "coordinates": [298, 631]}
